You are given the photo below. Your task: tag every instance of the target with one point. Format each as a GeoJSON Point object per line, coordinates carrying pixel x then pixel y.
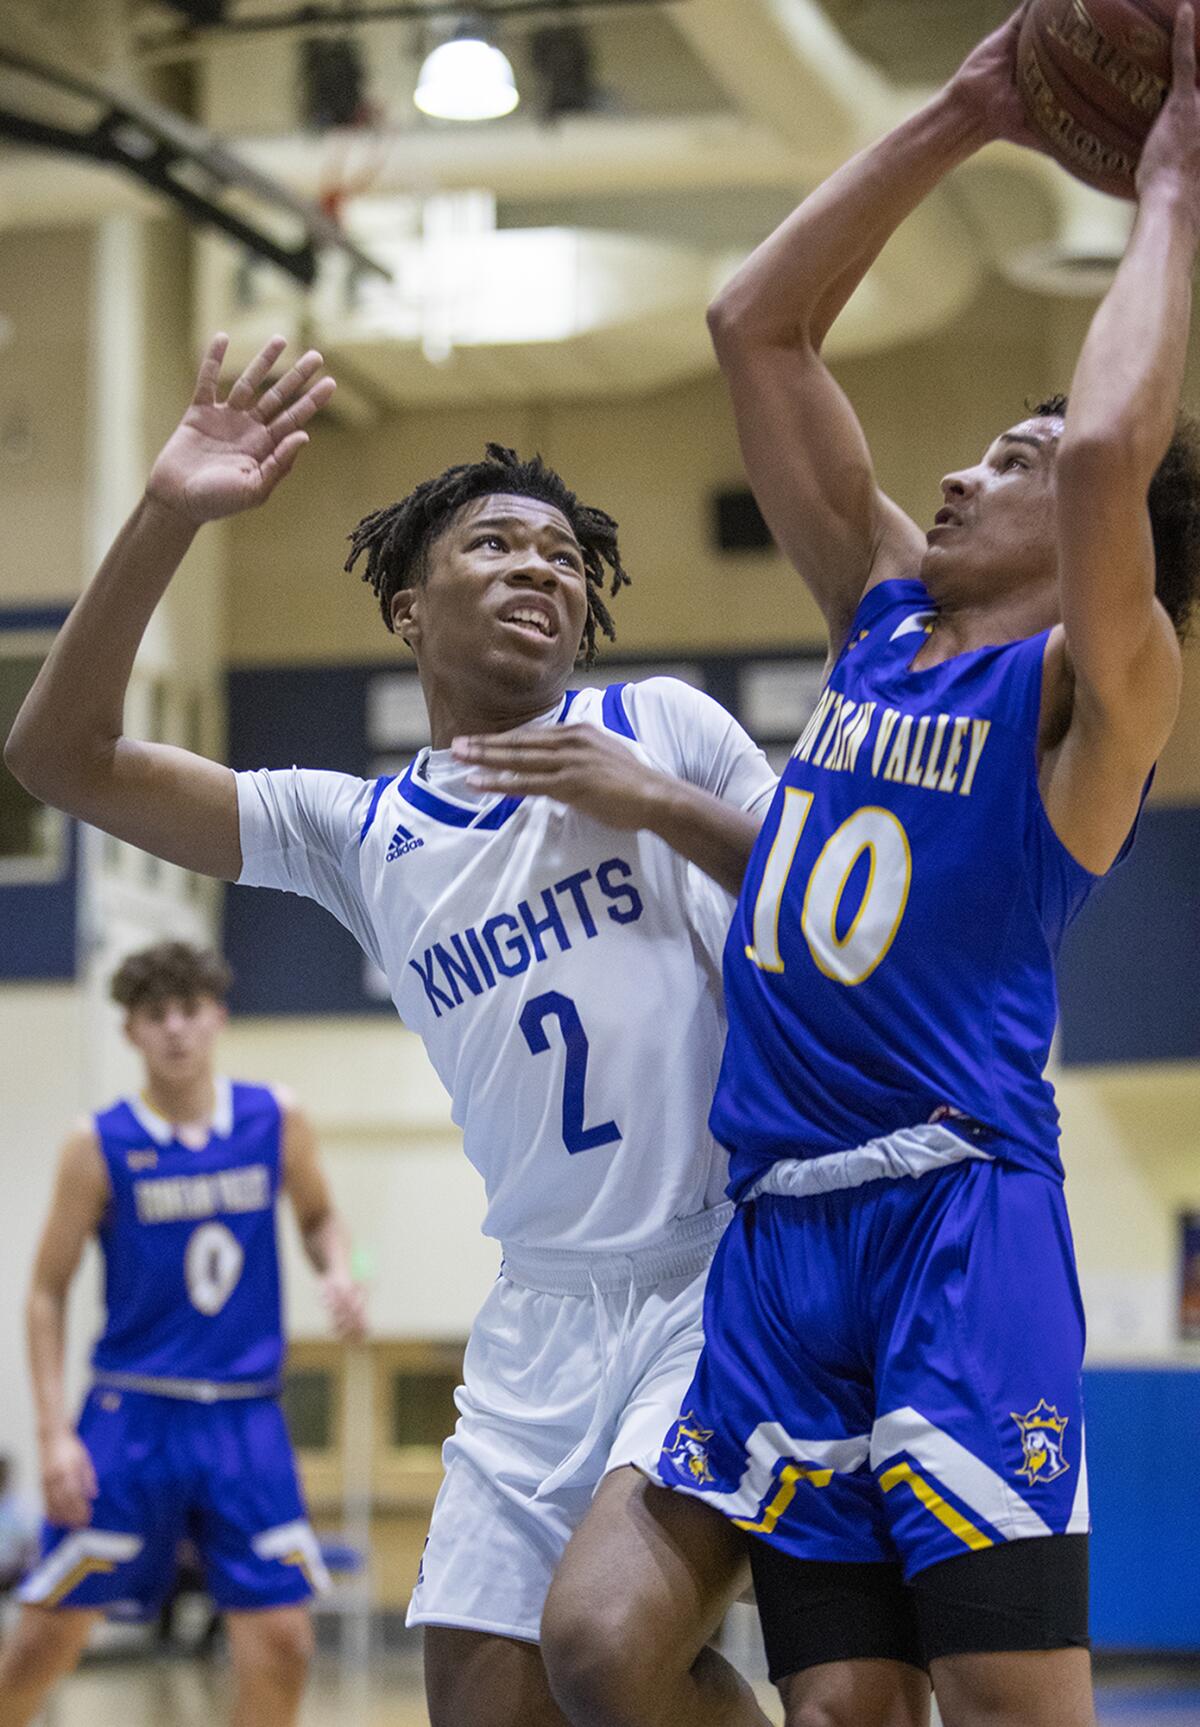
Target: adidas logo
{"type": "Point", "coordinates": [402, 842]}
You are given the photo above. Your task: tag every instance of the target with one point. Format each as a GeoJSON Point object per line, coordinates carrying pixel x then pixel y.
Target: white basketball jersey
{"type": "Point", "coordinates": [565, 976]}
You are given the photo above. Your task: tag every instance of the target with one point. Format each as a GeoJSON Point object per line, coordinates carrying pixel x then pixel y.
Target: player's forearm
{"type": "Point", "coordinates": [1128, 383]}
{"type": "Point", "coordinates": [71, 721]}
{"type": "Point", "coordinates": [326, 1246]}
{"type": "Point", "coordinates": [45, 1333]}
{"type": "Point", "coordinates": [795, 285]}
{"type": "Point", "coordinates": [714, 836]}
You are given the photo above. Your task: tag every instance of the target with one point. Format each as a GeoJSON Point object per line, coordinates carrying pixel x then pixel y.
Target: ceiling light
{"type": "Point", "coordinates": [467, 78]}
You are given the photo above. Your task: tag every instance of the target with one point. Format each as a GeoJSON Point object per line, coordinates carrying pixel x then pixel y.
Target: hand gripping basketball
{"type": "Point", "coordinates": [1094, 76]}
{"type": "Point", "coordinates": [1172, 151]}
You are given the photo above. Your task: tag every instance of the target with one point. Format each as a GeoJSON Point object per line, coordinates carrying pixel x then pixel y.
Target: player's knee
{"type": "Point", "coordinates": [42, 1647]}
{"type": "Point", "coordinates": [279, 1647]}
{"type": "Point", "coordinates": [600, 1669]}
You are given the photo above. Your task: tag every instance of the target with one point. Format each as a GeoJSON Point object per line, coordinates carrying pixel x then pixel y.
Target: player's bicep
{"type": "Point", "coordinates": [811, 472]}
{"type": "Point", "coordinates": [81, 1194]}
{"type": "Point", "coordinates": [168, 801]}
{"type": "Point", "coordinates": [1119, 642]}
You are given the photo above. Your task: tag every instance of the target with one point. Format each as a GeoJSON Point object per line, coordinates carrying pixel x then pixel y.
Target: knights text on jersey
{"type": "Point", "coordinates": [191, 1265]}
{"type": "Point", "coordinates": [564, 975]}
{"type": "Point", "coordinates": [891, 960]}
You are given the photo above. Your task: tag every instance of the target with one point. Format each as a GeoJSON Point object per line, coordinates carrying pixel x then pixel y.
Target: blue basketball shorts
{"type": "Point", "coordinates": [893, 1372]}
{"type": "Point", "coordinates": [220, 1475]}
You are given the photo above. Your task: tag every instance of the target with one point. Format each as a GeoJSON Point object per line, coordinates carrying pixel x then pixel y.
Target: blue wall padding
{"type": "Point", "coordinates": [1129, 977]}
{"type": "Point", "coordinates": [1143, 1441]}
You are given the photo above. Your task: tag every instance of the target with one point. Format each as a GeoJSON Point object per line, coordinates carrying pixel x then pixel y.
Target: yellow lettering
{"type": "Point", "coordinates": [979, 737]}
{"type": "Point", "coordinates": [835, 717]}
{"type": "Point", "coordinates": [853, 740]}
{"type": "Point", "coordinates": [899, 755]}
{"type": "Point", "coordinates": [887, 725]}
{"type": "Point", "coordinates": [949, 779]}
{"type": "Point", "coordinates": [913, 776]}
{"type": "Point", "coordinates": [833, 759]}
{"type": "Point", "coordinates": [929, 778]}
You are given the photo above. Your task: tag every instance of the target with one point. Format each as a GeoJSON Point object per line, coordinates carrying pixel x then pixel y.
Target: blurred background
{"type": "Point", "coordinates": [538, 277]}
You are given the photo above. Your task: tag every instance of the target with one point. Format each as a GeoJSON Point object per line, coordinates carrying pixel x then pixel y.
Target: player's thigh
{"type": "Point", "coordinates": [473, 1679]}
{"type": "Point", "coordinates": [251, 1528]}
{"type": "Point", "coordinates": [646, 1579]}
{"type": "Point", "coordinates": [1006, 1633]}
{"type": "Point", "coordinates": [842, 1641]}
{"type": "Point", "coordinates": [45, 1643]}
{"type": "Point", "coordinates": [1036, 1688]}
{"type": "Point", "coordinates": [978, 1440]}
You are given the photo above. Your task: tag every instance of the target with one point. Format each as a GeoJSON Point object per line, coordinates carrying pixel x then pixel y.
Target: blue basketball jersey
{"type": "Point", "coordinates": [891, 962]}
{"type": "Point", "coordinates": [191, 1261]}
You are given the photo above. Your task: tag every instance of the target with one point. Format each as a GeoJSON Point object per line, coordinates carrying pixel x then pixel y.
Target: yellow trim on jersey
{"type": "Point", "coordinates": [954, 1521]}
{"type": "Point", "coordinates": [301, 1562]}
{"type": "Point", "coordinates": [74, 1578]}
{"type": "Point", "coordinates": [794, 1473]}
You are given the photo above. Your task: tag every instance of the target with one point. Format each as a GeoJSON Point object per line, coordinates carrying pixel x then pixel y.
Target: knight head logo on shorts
{"type": "Point", "coordinates": [686, 1449]}
{"type": "Point", "coordinates": [401, 843]}
{"type": "Point", "coordinates": [1042, 1437]}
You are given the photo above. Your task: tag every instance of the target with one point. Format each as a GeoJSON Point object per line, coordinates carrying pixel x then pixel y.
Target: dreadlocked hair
{"type": "Point", "coordinates": [1174, 504]}
{"type": "Point", "coordinates": [396, 539]}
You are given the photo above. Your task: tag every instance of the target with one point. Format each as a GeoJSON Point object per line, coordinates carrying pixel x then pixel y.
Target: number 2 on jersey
{"type": "Point", "coordinates": [852, 957]}
{"type": "Point", "coordinates": [576, 1137]}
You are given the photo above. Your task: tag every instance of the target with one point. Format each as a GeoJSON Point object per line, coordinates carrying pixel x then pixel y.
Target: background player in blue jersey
{"type": "Point", "coordinates": [561, 962]}
{"type": "Point", "coordinates": [889, 1396]}
{"type": "Point", "coordinates": [181, 1434]}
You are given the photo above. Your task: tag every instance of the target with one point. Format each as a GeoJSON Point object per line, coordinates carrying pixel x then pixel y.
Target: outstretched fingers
{"type": "Point", "coordinates": [210, 370]}
{"type": "Point", "coordinates": [291, 385]}
{"type": "Point", "coordinates": [292, 418]}
{"type": "Point", "coordinates": [245, 389]}
{"type": "Point", "coordinates": [281, 460]}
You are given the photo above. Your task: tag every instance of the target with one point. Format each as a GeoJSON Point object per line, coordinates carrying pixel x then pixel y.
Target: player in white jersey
{"type": "Point", "coordinates": [562, 964]}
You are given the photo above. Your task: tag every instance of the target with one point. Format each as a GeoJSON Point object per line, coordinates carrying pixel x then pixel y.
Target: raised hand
{"type": "Point", "coordinates": [68, 1481]}
{"type": "Point", "coordinates": [226, 456]}
{"type": "Point", "coordinates": [1172, 151]}
{"type": "Point", "coordinates": [987, 82]}
{"type": "Point", "coordinates": [577, 765]}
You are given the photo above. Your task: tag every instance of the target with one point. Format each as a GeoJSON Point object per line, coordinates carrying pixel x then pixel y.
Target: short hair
{"type": "Point", "coordinates": [397, 538]}
{"type": "Point", "coordinates": [1174, 504]}
{"type": "Point", "coordinates": [169, 971]}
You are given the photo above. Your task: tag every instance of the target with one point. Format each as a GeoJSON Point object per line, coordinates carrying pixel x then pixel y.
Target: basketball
{"type": "Point", "coordinates": [1093, 76]}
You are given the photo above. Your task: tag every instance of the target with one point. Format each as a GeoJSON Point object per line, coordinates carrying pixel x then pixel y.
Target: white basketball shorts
{"type": "Point", "coordinates": [575, 1366]}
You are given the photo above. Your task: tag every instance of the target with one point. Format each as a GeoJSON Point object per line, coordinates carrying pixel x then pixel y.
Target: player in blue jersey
{"type": "Point", "coordinates": [560, 959]}
{"type": "Point", "coordinates": [889, 1396]}
{"type": "Point", "coordinates": [181, 1435]}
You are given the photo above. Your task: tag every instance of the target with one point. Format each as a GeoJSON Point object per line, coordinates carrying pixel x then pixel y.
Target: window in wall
{"type": "Point", "coordinates": [32, 838]}
{"type": "Point", "coordinates": [309, 1395]}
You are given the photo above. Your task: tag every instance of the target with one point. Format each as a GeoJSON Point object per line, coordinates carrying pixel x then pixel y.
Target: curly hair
{"type": "Point", "coordinates": [396, 540]}
{"type": "Point", "coordinates": [169, 971]}
{"type": "Point", "coordinates": [1174, 504]}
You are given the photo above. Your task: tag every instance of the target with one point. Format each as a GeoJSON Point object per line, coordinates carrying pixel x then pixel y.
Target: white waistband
{"type": "Point", "coordinates": [187, 1390]}
{"type": "Point", "coordinates": [680, 1251]}
{"type": "Point", "coordinates": [912, 1151]}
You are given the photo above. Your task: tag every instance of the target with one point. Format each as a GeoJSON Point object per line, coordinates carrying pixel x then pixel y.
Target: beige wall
{"type": "Point", "coordinates": [45, 288]}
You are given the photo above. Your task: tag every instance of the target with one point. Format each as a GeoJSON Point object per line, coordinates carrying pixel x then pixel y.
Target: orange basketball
{"type": "Point", "coordinates": [1093, 75]}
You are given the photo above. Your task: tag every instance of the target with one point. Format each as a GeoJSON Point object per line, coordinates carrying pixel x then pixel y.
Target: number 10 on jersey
{"type": "Point", "coordinates": [852, 957]}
